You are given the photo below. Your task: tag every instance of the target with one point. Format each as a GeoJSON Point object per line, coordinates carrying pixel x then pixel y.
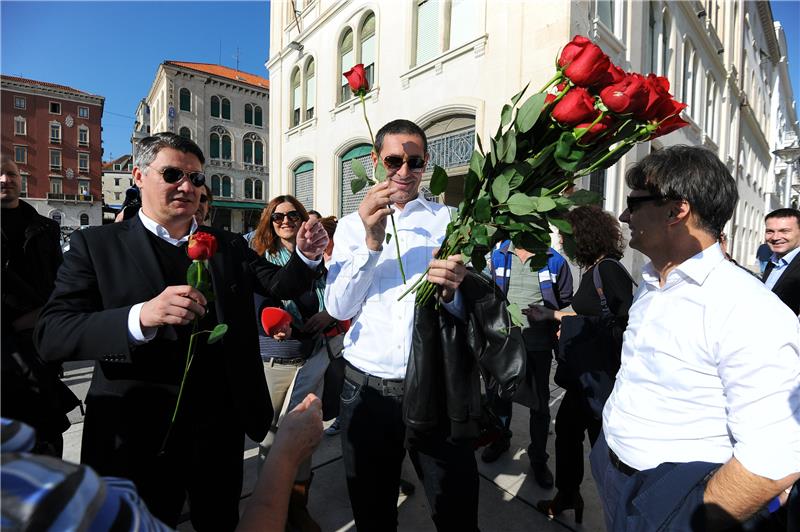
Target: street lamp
{"type": "Point", "coordinates": [790, 157]}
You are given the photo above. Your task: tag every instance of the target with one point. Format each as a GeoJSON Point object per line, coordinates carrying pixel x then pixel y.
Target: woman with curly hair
{"type": "Point", "coordinates": [598, 246]}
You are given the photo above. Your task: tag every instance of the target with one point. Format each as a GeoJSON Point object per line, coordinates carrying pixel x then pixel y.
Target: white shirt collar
{"type": "Point", "coordinates": [161, 232]}
{"type": "Point", "coordinates": [697, 268]}
{"type": "Point", "coordinates": [786, 259]}
{"type": "Point", "coordinates": [418, 201]}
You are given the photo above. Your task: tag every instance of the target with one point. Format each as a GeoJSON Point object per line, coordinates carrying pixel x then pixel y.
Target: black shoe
{"type": "Point", "coordinates": [493, 451]}
{"type": "Point", "coordinates": [543, 475]}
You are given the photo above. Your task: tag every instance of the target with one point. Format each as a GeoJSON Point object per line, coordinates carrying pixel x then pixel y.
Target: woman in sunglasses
{"type": "Point", "coordinates": [287, 351]}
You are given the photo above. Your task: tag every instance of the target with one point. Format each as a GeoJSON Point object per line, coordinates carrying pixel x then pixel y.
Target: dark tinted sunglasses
{"type": "Point", "coordinates": [634, 201]}
{"type": "Point", "coordinates": [203, 198]}
{"type": "Point", "coordinates": [173, 175]}
{"type": "Point", "coordinates": [394, 162]}
{"type": "Point", "coordinates": [278, 217]}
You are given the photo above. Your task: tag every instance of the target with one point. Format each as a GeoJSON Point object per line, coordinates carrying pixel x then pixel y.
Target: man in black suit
{"type": "Point", "coordinates": [121, 299]}
{"type": "Point", "coordinates": [782, 274]}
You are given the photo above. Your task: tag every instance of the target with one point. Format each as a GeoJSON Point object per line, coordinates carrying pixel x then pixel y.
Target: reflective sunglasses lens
{"type": "Point", "coordinates": [277, 217]}
{"type": "Point", "coordinates": [172, 175]}
{"type": "Point", "coordinates": [293, 215]}
{"type": "Point", "coordinates": [416, 163]}
{"type": "Point", "coordinates": [198, 179]}
{"type": "Point", "coordinates": [393, 162]}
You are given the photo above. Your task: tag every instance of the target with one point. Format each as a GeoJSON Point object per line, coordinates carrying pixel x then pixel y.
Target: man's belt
{"type": "Point", "coordinates": [294, 361]}
{"type": "Point", "coordinates": [386, 387]}
{"type": "Point", "coordinates": [621, 466]}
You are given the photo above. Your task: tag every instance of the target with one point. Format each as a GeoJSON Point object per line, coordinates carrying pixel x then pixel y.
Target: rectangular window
{"type": "Point", "coordinates": [55, 133]}
{"type": "Point", "coordinates": [117, 167]}
{"type": "Point", "coordinates": [83, 162]}
{"type": "Point", "coordinates": [21, 154]}
{"type": "Point", "coordinates": [605, 12]}
{"type": "Point", "coordinates": [55, 159]}
{"type": "Point", "coordinates": [117, 195]}
{"type": "Point", "coordinates": [83, 187]}
{"type": "Point", "coordinates": [20, 126]}
{"type": "Point", "coordinates": [55, 186]}
{"type": "Point", "coordinates": [55, 108]}
{"type": "Point", "coordinates": [116, 181]}
{"type": "Point", "coordinates": [83, 136]}
{"type": "Point", "coordinates": [23, 191]}
{"type": "Point", "coordinates": [19, 102]}
{"type": "Point", "coordinates": [463, 22]}
{"type": "Point", "coordinates": [427, 30]}
{"type": "Point", "coordinates": [83, 112]}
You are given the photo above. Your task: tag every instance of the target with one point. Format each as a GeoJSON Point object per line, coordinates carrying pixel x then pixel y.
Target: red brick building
{"type": "Point", "coordinates": [53, 132]}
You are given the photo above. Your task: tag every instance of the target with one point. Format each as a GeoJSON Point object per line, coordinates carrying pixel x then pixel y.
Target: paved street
{"type": "Point", "coordinates": [507, 498]}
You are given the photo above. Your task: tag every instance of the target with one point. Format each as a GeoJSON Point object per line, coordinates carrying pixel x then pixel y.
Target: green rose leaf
{"type": "Point", "coordinates": [562, 225]}
{"type": "Point", "coordinates": [358, 169]}
{"type": "Point", "coordinates": [357, 184]}
{"type": "Point", "coordinates": [518, 95]}
{"type": "Point", "coordinates": [568, 245]}
{"type": "Point", "coordinates": [483, 209]}
{"type": "Point", "coordinates": [438, 180]}
{"type": "Point", "coordinates": [505, 115]}
{"type": "Point", "coordinates": [217, 334]}
{"type": "Point", "coordinates": [498, 147]}
{"type": "Point", "coordinates": [388, 237]}
{"type": "Point", "coordinates": [467, 250]}
{"type": "Point", "coordinates": [478, 261]}
{"type": "Point", "coordinates": [510, 147]}
{"type": "Point", "coordinates": [380, 173]}
{"type": "Point", "coordinates": [480, 144]}
{"type": "Point", "coordinates": [520, 204]}
{"type": "Point", "coordinates": [480, 236]}
{"type": "Point", "coordinates": [515, 314]}
{"type": "Point", "coordinates": [197, 275]}
{"type": "Point", "coordinates": [542, 156]}
{"type": "Point", "coordinates": [568, 154]}
{"type": "Point", "coordinates": [500, 188]}
{"type": "Point", "coordinates": [586, 197]}
{"type": "Point", "coordinates": [476, 163]}
{"type": "Point", "coordinates": [545, 204]}
{"type": "Point", "coordinates": [470, 184]}
{"type": "Point", "coordinates": [529, 112]}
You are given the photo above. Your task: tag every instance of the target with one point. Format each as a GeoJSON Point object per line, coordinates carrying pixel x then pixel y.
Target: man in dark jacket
{"type": "Point", "coordinates": [31, 255]}
{"type": "Point", "coordinates": [782, 274]}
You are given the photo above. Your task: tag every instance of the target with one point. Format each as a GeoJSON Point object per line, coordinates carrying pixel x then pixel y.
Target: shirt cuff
{"type": "Point", "coordinates": [136, 334]}
{"type": "Point", "coordinates": [456, 306]}
{"type": "Point", "coordinates": [308, 262]}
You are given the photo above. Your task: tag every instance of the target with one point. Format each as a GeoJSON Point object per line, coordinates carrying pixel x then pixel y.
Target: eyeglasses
{"type": "Point", "coordinates": [394, 162]}
{"type": "Point", "coordinates": [174, 175]}
{"type": "Point", "coordinates": [203, 198]}
{"type": "Point", "coordinates": [278, 217]}
{"type": "Point", "coordinates": [635, 201]}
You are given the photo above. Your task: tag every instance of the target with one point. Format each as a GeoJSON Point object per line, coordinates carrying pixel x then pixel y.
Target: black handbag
{"type": "Point", "coordinates": [588, 354]}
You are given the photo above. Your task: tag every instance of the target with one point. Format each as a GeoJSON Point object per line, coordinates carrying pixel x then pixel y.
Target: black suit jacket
{"type": "Point", "coordinates": [788, 286]}
{"type": "Point", "coordinates": [111, 268]}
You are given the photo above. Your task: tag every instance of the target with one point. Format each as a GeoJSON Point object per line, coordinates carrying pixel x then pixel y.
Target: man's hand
{"type": "Point", "coordinates": [312, 239]}
{"type": "Point", "coordinates": [538, 313]}
{"type": "Point", "coordinates": [300, 431]}
{"type": "Point", "coordinates": [283, 333]}
{"type": "Point", "coordinates": [373, 210]}
{"type": "Point", "coordinates": [448, 274]}
{"type": "Point", "coordinates": [317, 322]}
{"type": "Point", "coordinates": [176, 305]}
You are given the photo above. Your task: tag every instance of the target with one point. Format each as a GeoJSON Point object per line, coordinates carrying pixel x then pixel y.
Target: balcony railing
{"type": "Point", "coordinates": [77, 198]}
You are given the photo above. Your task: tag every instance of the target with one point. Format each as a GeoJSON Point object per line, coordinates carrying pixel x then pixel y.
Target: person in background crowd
{"type": "Point", "coordinates": [598, 246]}
{"type": "Point", "coordinates": [284, 356]}
{"type": "Point", "coordinates": [703, 426]}
{"type": "Point", "coordinates": [204, 207]}
{"type": "Point", "coordinates": [31, 255]}
{"type": "Point", "coordinates": [782, 274]}
{"type": "Point", "coordinates": [763, 253]}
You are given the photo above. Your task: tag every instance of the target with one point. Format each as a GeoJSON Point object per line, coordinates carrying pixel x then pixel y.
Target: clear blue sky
{"type": "Point", "coordinates": [114, 48]}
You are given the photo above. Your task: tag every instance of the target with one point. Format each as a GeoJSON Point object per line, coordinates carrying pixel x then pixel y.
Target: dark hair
{"type": "Point", "coordinates": [329, 223]}
{"type": "Point", "coordinates": [315, 213]}
{"type": "Point", "coordinates": [693, 174]}
{"type": "Point", "coordinates": [400, 127]}
{"type": "Point", "coordinates": [265, 239]}
{"type": "Point", "coordinates": [148, 148]}
{"type": "Point", "coordinates": [785, 213]}
{"type": "Point", "coordinates": [597, 234]}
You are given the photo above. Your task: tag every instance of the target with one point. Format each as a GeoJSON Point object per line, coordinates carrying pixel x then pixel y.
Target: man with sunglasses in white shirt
{"type": "Point", "coordinates": [704, 420]}
{"type": "Point", "coordinates": [121, 299]}
{"type": "Point", "coordinates": [364, 283]}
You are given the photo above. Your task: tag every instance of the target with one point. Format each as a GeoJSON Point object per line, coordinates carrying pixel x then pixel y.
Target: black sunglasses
{"type": "Point", "coordinates": [394, 162]}
{"type": "Point", "coordinates": [173, 175]}
{"type": "Point", "coordinates": [203, 198]}
{"type": "Point", "coordinates": [634, 201]}
{"type": "Point", "coordinates": [278, 217]}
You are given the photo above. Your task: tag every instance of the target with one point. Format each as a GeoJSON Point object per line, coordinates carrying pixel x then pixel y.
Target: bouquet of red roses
{"type": "Point", "coordinates": [584, 119]}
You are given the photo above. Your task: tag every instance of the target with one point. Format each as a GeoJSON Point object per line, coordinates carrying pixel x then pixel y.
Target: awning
{"type": "Point", "coordinates": [238, 204]}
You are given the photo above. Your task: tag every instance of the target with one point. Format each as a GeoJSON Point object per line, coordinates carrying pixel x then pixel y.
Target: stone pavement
{"type": "Point", "coordinates": [508, 494]}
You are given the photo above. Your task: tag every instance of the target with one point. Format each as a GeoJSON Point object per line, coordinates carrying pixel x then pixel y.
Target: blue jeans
{"type": "Point", "coordinates": [609, 479]}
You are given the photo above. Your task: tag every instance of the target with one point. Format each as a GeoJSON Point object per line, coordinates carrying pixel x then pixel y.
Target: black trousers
{"type": "Point", "coordinates": [373, 448]}
{"type": "Point", "coordinates": [573, 420]}
{"type": "Point", "coordinates": [539, 420]}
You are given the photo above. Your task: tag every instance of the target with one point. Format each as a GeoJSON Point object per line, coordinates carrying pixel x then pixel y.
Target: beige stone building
{"type": "Point", "coordinates": [117, 179]}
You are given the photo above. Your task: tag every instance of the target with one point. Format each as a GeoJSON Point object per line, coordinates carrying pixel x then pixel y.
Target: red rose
{"type": "Point", "coordinates": [614, 74]}
{"type": "Point", "coordinates": [589, 66]}
{"type": "Point", "coordinates": [357, 78]}
{"type": "Point", "coordinates": [669, 124]}
{"type": "Point", "coordinates": [576, 107]}
{"type": "Point", "coordinates": [552, 96]}
{"type": "Point", "coordinates": [572, 49]}
{"type": "Point", "coordinates": [273, 319]}
{"type": "Point", "coordinates": [202, 246]}
{"type": "Point", "coordinates": [627, 96]}
{"type": "Point", "coordinates": [596, 130]}
{"type": "Point", "coordinates": [658, 97]}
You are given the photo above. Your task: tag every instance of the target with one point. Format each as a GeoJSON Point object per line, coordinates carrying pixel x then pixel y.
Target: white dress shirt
{"type": "Point", "coordinates": [710, 370]}
{"type": "Point", "coordinates": [364, 285]}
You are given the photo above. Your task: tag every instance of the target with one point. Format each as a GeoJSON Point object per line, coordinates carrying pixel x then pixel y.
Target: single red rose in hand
{"type": "Point", "coordinates": [596, 130]}
{"type": "Point", "coordinates": [202, 246]}
{"type": "Point", "coordinates": [572, 49]}
{"type": "Point", "coordinates": [552, 96]}
{"type": "Point", "coordinates": [357, 79]}
{"type": "Point", "coordinates": [273, 319]}
{"type": "Point", "coordinates": [589, 66]}
{"type": "Point", "coordinates": [627, 96]}
{"type": "Point", "coordinates": [576, 107]}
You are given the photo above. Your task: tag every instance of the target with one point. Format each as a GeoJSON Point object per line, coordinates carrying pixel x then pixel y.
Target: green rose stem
{"type": "Point", "coordinates": [377, 156]}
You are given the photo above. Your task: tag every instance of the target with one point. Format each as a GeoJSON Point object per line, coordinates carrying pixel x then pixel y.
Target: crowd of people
{"type": "Point", "coordinates": [686, 381]}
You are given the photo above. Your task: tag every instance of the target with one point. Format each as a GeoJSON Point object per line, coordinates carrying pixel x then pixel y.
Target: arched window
{"type": "Point", "coordinates": [227, 150]}
{"type": "Point", "coordinates": [367, 34]}
{"type": "Point", "coordinates": [451, 141]}
{"type": "Point", "coordinates": [253, 149]}
{"type": "Point", "coordinates": [186, 100]}
{"type": "Point", "coordinates": [247, 153]}
{"type": "Point", "coordinates": [215, 106]}
{"type": "Point", "coordinates": [185, 133]}
{"type": "Point", "coordinates": [84, 219]}
{"type": "Point", "coordinates": [226, 109]}
{"type": "Point", "coordinates": [258, 153]}
{"type": "Point", "coordinates": [296, 97]}
{"type": "Point", "coordinates": [697, 94]}
{"type": "Point", "coordinates": [248, 188]}
{"type": "Point", "coordinates": [227, 187]}
{"type": "Point", "coordinates": [214, 145]}
{"type": "Point", "coordinates": [349, 201]}
{"type": "Point", "coordinates": [258, 189]}
{"type": "Point", "coordinates": [304, 183]}
{"type": "Point", "coordinates": [248, 114]}
{"type": "Point", "coordinates": [666, 52]}
{"type": "Point", "coordinates": [215, 187]}
{"type": "Point", "coordinates": [310, 88]}
{"type": "Point", "coordinates": [259, 117]}
{"type": "Point", "coordinates": [346, 62]}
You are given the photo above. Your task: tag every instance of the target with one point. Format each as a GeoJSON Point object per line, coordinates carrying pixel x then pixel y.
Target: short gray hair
{"type": "Point", "coordinates": [149, 147]}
